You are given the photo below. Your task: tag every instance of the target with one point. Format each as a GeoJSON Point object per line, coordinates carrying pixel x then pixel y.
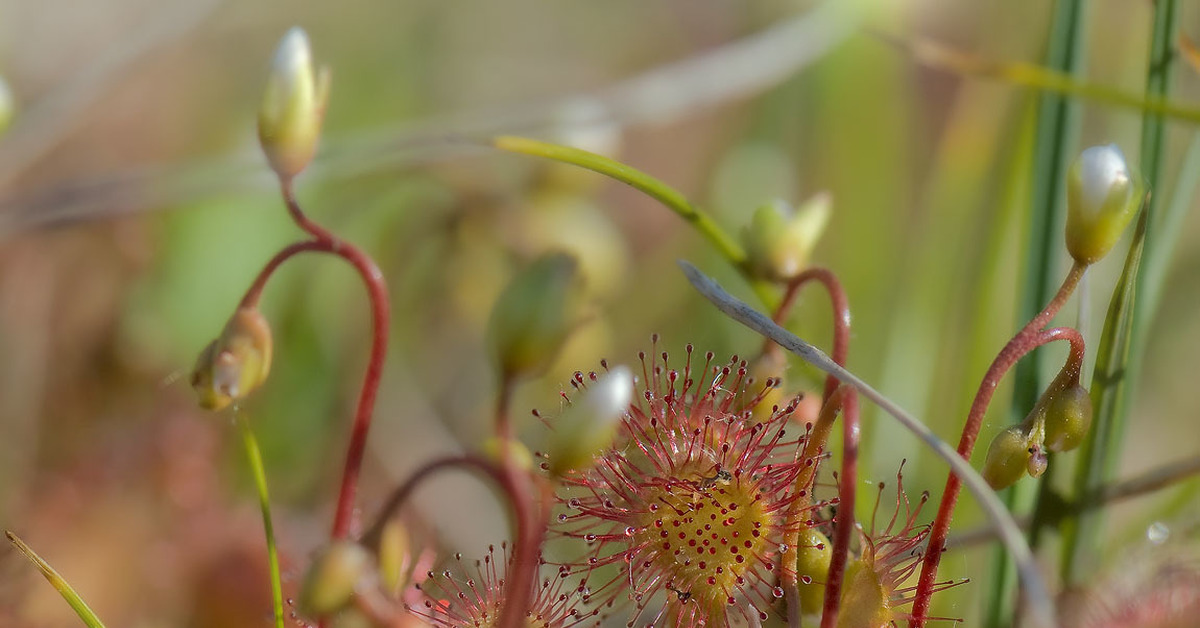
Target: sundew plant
{"type": "Point", "coordinates": [518, 401]}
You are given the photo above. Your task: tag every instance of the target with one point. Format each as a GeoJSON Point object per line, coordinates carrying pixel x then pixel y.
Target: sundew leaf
{"type": "Point", "coordinates": [76, 603]}
{"type": "Point", "coordinates": [1110, 384]}
{"type": "Point", "coordinates": [1041, 606]}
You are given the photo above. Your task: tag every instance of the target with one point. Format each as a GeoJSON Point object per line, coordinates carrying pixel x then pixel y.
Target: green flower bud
{"type": "Point", "coordinates": [519, 454]}
{"type": "Point", "coordinates": [590, 423]}
{"type": "Point", "coordinates": [779, 240]}
{"type": "Point", "coordinates": [7, 106]}
{"type": "Point", "coordinates": [394, 549]}
{"type": "Point", "coordinates": [1068, 417]}
{"type": "Point", "coordinates": [1008, 458]}
{"type": "Point", "coordinates": [1103, 195]}
{"type": "Point", "coordinates": [236, 363]}
{"type": "Point", "coordinates": [336, 573]}
{"type": "Point", "coordinates": [533, 316]}
{"type": "Point", "coordinates": [864, 602]}
{"type": "Point", "coordinates": [813, 556]}
{"type": "Point", "coordinates": [293, 106]}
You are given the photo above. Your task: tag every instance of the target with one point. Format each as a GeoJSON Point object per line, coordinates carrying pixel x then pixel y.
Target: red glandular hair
{"type": "Point", "coordinates": [472, 597]}
{"type": "Point", "coordinates": [686, 514]}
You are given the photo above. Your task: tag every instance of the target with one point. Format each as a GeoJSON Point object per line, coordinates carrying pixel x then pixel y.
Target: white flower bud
{"type": "Point", "coordinates": [293, 106]}
{"type": "Point", "coordinates": [1103, 195]}
{"type": "Point", "coordinates": [591, 423]}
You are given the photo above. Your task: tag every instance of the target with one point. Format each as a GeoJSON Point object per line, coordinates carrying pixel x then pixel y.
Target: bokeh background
{"type": "Point", "coordinates": [135, 210]}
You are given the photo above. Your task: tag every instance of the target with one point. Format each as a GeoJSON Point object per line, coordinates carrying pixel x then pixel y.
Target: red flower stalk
{"type": "Point", "coordinates": [691, 502]}
{"type": "Point", "coordinates": [452, 602]}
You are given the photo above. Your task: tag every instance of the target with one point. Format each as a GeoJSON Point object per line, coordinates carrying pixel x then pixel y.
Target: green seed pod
{"type": "Point", "coordinates": [336, 573]}
{"type": "Point", "coordinates": [236, 363]}
{"type": "Point", "coordinates": [293, 106]}
{"type": "Point", "coordinates": [779, 240]}
{"type": "Point", "coordinates": [865, 603]}
{"type": "Point", "coordinates": [591, 423]}
{"type": "Point", "coordinates": [533, 316]}
{"type": "Point", "coordinates": [813, 555]}
{"type": "Point", "coordinates": [1103, 195]}
{"type": "Point", "coordinates": [1068, 418]}
{"type": "Point", "coordinates": [518, 453]}
{"type": "Point", "coordinates": [394, 559]}
{"type": "Point", "coordinates": [1008, 458]}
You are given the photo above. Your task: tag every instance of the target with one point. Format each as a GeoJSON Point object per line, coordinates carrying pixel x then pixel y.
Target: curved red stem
{"type": "Point", "coordinates": [841, 315]}
{"type": "Point", "coordinates": [324, 241]}
{"type": "Point", "coordinates": [1030, 337]}
{"type": "Point", "coordinates": [405, 490]}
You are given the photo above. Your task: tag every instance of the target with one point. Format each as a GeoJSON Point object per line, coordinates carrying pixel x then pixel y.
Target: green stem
{"type": "Point", "coordinates": [1057, 125]}
{"type": "Point", "coordinates": [1052, 79]}
{"type": "Point", "coordinates": [659, 191]}
{"type": "Point", "coordinates": [73, 600]}
{"type": "Point", "coordinates": [254, 456]}
{"type": "Point", "coordinates": [1124, 339]}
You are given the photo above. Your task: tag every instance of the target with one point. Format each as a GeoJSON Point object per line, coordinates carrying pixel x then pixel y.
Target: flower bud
{"type": "Point", "coordinates": [864, 600]}
{"type": "Point", "coordinates": [336, 573]}
{"type": "Point", "coordinates": [519, 456]}
{"type": "Point", "coordinates": [236, 363]}
{"type": "Point", "coordinates": [1038, 461]}
{"type": "Point", "coordinates": [590, 423]}
{"type": "Point", "coordinates": [533, 316]}
{"type": "Point", "coordinates": [1008, 458]}
{"type": "Point", "coordinates": [7, 106]}
{"type": "Point", "coordinates": [394, 549]}
{"type": "Point", "coordinates": [779, 239]}
{"type": "Point", "coordinates": [293, 106]}
{"type": "Point", "coordinates": [813, 556]}
{"type": "Point", "coordinates": [1103, 195]}
{"type": "Point", "coordinates": [1068, 417]}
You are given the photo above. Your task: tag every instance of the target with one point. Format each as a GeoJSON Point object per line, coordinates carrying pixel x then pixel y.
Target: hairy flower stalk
{"type": "Point", "coordinates": [690, 507]}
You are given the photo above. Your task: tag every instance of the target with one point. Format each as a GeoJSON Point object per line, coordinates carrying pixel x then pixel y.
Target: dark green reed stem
{"type": "Point", "coordinates": [1057, 127]}
{"type": "Point", "coordinates": [1123, 342]}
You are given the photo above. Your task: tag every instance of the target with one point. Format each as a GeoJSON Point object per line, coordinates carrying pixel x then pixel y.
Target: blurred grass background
{"type": "Point", "coordinates": [134, 211]}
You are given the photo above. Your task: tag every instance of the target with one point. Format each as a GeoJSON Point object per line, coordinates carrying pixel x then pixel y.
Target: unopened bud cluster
{"type": "Point", "coordinates": [1058, 422]}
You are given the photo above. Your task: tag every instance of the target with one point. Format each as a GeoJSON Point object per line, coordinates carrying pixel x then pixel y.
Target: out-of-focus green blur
{"type": "Point", "coordinates": [135, 210]}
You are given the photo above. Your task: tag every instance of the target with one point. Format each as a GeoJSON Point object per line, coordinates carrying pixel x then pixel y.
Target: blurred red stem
{"type": "Point", "coordinates": [844, 526]}
{"type": "Point", "coordinates": [405, 490]}
{"type": "Point", "coordinates": [841, 316]}
{"type": "Point", "coordinates": [1032, 336]}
